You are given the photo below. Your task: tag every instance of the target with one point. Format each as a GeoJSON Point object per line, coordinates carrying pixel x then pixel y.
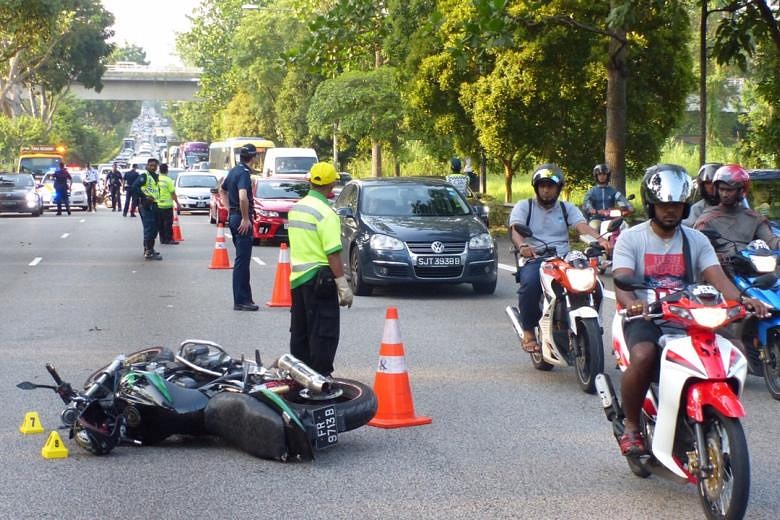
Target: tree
{"type": "Point", "coordinates": [129, 52]}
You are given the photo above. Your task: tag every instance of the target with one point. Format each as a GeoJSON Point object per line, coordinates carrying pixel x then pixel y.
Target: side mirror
{"type": "Point", "coordinates": [629, 283]}
{"type": "Point", "coordinates": [214, 190]}
{"type": "Point", "coordinates": [345, 212]}
{"type": "Point", "coordinates": [614, 224]}
{"type": "Point", "coordinates": [523, 230]}
{"type": "Point", "coordinates": [765, 281]}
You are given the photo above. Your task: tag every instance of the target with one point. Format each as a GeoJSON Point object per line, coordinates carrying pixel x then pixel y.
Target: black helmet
{"type": "Point", "coordinates": [707, 174]}
{"type": "Point", "coordinates": [666, 183]}
{"type": "Point", "coordinates": [95, 430]}
{"type": "Point", "coordinates": [455, 164]}
{"type": "Point", "coordinates": [547, 172]}
{"type": "Point", "coordinates": [248, 151]}
{"type": "Point", "coordinates": [601, 168]}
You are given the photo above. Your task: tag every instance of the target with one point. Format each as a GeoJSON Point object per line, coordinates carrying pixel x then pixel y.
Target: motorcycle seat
{"type": "Point", "coordinates": [186, 400]}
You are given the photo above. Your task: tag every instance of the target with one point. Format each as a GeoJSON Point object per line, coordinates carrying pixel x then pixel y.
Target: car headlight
{"type": "Point", "coordinates": [31, 197]}
{"type": "Point", "coordinates": [267, 213]}
{"type": "Point", "coordinates": [385, 242]}
{"type": "Point", "coordinates": [481, 241]}
{"type": "Point", "coordinates": [581, 280]}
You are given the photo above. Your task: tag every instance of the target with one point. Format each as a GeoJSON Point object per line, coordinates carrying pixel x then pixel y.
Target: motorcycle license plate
{"type": "Point", "coordinates": [438, 261]}
{"type": "Point", "coordinates": [326, 429]}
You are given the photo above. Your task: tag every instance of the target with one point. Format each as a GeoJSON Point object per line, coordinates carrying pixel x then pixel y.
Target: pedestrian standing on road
{"type": "Point", "coordinates": [131, 199]}
{"type": "Point", "coordinates": [236, 193]}
{"type": "Point", "coordinates": [317, 279]}
{"type": "Point", "coordinates": [90, 185]}
{"type": "Point", "coordinates": [114, 184]}
{"type": "Point", "coordinates": [147, 188]}
{"type": "Point", "coordinates": [165, 206]}
{"type": "Point", "coordinates": [62, 184]}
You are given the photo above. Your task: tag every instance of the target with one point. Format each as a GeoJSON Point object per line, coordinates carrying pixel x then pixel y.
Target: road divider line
{"type": "Point", "coordinates": [257, 259]}
{"type": "Point", "coordinates": [36, 260]}
{"type": "Point", "coordinates": [65, 235]}
{"type": "Point", "coordinates": [82, 221]}
{"type": "Point", "coordinates": [511, 269]}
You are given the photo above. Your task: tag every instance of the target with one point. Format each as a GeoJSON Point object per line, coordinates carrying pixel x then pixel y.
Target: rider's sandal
{"type": "Point", "coordinates": [632, 444]}
{"type": "Point", "coordinates": [531, 346]}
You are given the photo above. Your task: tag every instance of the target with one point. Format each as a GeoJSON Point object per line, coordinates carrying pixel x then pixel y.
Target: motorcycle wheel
{"type": "Point", "coordinates": [724, 494]}
{"type": "Point", "coordinates": [771, 369]}
{"type": "Point", "coordinates": [357, 403]}
{"type": "Point", "coordinates": [590, 360]}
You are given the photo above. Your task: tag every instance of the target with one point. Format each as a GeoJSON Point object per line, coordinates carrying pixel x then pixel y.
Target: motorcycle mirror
{"type": "Point", "coordinates": [522, 230]}
{"type": "Point", "coordinates": [257, 358]}
{"type": "Point", "coordinates": [629, 283]}
{"type": "Point", "coordinates": [765, 281]}
{"type": "Point", "coordinates": [26, 385]}
{"type": "Point", "coordinates": [614, 224]}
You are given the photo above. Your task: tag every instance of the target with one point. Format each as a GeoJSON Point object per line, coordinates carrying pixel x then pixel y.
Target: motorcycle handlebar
{"type": "Point", "coordinates": [103, 377]}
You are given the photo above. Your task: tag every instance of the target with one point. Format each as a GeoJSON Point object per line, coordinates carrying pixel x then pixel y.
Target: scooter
{"type": "Point", "coordinates": [570, 328]}
{"type": "Point", "coordinates": [691, 414]}
{"type": "Point", "coordinates": [761, 337]}
{"type": "Point", "coordinates": [610, 229]}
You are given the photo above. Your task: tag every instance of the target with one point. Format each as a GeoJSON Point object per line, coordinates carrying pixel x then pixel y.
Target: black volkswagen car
{"type": "Point", "coordinates": [400, 230]}
{"type": "Point", "coordinates": [18, 194]}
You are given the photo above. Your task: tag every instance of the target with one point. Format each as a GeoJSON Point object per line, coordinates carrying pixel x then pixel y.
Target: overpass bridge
{"type": "Point", "coordinates": [132, 82]}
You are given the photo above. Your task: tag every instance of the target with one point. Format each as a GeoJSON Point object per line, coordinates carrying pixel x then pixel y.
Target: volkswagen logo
{"type": "Point", "coordinates": [437, 247]}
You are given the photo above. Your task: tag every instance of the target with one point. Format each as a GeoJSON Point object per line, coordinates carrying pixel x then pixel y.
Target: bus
{"type": "Point", "coordinates": [224, 155]}
{"type": "Point", "coordinates": [191, 153]}
{"type": "Point", "coordinates": [40, 159]}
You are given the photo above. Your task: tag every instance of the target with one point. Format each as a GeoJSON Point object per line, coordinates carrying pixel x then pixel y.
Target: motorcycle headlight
{"type": "Point", "coordinates": [764, 264]}
{"type": "Point", "coordinates": [385, 242]}
{"type": "Point", "coordinates": [267, 213]}
{"type": "Point", "coordinates": [709, 317]}
{"type": "Point", "coordinates": [481, 241]}
{"type": "Point", "coordinates": [581, 280]}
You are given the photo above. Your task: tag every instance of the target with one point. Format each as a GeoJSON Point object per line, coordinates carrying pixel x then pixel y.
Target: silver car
{"type": "Point", "coordinates": [78, 194]}
{"type": "Point", "coordinates": [193, 190]}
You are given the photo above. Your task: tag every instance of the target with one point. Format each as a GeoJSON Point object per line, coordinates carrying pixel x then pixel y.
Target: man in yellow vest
{"type": "Point", "coordinates": [165, 206]}
{"type": "Point", "coordinates": [317, 273]}
{"type": "Point", "coordinates": [147, 188]}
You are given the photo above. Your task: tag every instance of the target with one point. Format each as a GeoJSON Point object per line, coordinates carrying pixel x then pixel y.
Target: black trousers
{"type": "Point", "coordinates": [91, 188]}
{"type": "Point", "coordinates": [116, 198]}
{"type": "Point", "coordinates": [131, 202]}
{"type": "Point", "coordinates": [314, 326]}
{"type": "Point", "coordinates": [165, 223]}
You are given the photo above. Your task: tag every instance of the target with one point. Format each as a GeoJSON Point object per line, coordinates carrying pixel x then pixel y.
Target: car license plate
{"type": "Point", "coordinates": [201, 204]}
{"type": "Point", "coordinates": [438, 261]}
{"type": "Point", "coordinates": [326, 428]}
{"type": "Point", "coordinates": [285, 225]}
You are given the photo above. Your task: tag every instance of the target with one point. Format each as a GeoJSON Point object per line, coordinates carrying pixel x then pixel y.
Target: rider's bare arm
{"type": "Point", "coordinates": [517, 240]}
{"type": "Point", "coordinates": [628, 299]}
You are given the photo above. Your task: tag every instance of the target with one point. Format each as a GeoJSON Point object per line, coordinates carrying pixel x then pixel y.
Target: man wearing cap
{"type": "Point", "coordinates": [147, 189]}
{"type": "Point", "coordinates": [317, 273]}
{"type": "Point", "coordinates": [236, 193]}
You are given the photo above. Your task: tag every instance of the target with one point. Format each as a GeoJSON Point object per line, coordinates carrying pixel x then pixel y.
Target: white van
{"type": "Point", "coordinates": [288, 161]}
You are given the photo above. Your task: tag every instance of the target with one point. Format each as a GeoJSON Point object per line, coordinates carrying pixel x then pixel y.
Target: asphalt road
{"type": "Point", "coordinates": [506, 441]}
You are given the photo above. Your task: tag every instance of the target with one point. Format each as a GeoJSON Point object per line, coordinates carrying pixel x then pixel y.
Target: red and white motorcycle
{"type": "Point", "coordinates": [691, 414]}
{"type": "Point", "coordinates": [569, 331]}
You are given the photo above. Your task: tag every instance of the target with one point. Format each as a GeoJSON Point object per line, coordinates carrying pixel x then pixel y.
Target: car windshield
{"type": "Point", "coordinates": [294, 164]}
{"type": "Point", "coordinates": [278, 189]}
{"type": "Point", "coordinates": [197, 181]}
{"type": "Point", "coordinates": [413, 201]}
{"type": "Point", "coordinates": [764, 197]}
{"type": "Point", "coordinates": [38, 165]}
{"type": "Point", "coordinates": [19, 181]}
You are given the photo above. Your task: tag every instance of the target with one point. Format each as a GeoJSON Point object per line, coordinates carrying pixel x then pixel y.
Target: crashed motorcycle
{"type": "Point", "coordinates": [284, 411]}
{"type": "Point", "coordinates": [761, 337]}
{"type": "Point", "coordinates": [570, 328]}
{"type": "Point", "coordinates": [690, 418]}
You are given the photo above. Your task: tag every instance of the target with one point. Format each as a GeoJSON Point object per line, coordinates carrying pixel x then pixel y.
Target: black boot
{"type": "Point", "coordinates": [155, 254]}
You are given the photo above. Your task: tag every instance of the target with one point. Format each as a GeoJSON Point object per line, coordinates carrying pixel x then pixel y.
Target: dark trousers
{"type": "Point", "coordinates": [128, 200]}
{"type": "Point", "coordinates": [62, 198]}
{"type": "Point", "coordinates": [314, 327]}
{"type": "Point", "coordinates": [242, 291]}
{"type": "Point", "coordinates": [149, 220]}
{"type": "Point", "coordinates": [529, 294]}
{"type": "Point", "coordinates": [116, 198]}
{"type": "Point", "coordinates": [165, 224]}
{"type": "Point", "coordinates": [91, 188]}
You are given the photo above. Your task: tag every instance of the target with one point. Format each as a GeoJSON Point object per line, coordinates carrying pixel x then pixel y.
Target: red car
{"type": "Point", "coordinates": [273, 198]}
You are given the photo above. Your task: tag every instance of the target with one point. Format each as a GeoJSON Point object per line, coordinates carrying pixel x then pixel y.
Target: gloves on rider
{"type": "Point", "coordinates": [345, 293]}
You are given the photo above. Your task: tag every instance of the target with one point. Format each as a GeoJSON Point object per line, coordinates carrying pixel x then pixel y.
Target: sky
{"type": "Point", "coordinates": [151, 25]}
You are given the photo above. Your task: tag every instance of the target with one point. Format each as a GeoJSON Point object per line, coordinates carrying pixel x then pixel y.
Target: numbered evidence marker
{"type": "Point", "coordinates": [31, 423]}
{"type": "Point", "coordinates": [54, 447]}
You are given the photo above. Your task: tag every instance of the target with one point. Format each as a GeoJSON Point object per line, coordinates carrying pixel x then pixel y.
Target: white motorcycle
{"type": "Point", "coordinates": [691, 414]}
{"type": "Point", "coordinates": [570, 328]}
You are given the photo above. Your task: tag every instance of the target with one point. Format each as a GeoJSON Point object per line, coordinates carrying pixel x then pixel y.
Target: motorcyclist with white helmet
{"type": "Point", "coordinates": [549, 221]}
{"type": "Point", "coordinates": [667, 256]}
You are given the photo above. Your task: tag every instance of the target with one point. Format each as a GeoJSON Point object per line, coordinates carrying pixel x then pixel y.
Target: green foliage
{"type": "Point", "coordinates": [128, 52]}
{"type": "Point", "coordinates": [18, 132]}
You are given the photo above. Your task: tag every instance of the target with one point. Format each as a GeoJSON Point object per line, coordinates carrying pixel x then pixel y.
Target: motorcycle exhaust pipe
{"type": "Point", "coordinates": [610, 403]}
{"type": "Point", "coordinates": [303, 374]}
{"type": "Point", "coordinates": [514, 317]}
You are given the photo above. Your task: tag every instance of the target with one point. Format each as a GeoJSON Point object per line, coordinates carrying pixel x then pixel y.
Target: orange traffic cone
{"type": "Point", "coordinates": [219, 258]}
{"type": "Point", "coordinates": [391, 384]}
{"type": "Point", "coordinates": [176, 229]}
{"type": "Point", "coordinates": [282, 297]}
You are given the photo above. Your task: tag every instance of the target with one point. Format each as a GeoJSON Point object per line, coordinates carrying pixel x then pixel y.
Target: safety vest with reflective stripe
{"type": "Point", "coordinates": [151, 188]}
{"type": "Point", "coordinates": [166, 189]}
{"type": "Point", "coordinates": [315, 232]}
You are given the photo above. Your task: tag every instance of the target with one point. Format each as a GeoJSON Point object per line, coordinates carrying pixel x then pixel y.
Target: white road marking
{"type": "Point", "coordinates": [36, 260]}
{"type": "Point", "coordinates": [65, 235]}
{"type": "Point", "coordinates": [511, 269]}
{"type": "Point", "coordinates": [257, 259]}
{"type": "Point", "coordinates": [82, 221]}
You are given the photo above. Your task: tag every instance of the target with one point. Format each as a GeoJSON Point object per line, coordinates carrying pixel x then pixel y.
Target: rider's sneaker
{"type": "Point", "coordinates": [632, 444]}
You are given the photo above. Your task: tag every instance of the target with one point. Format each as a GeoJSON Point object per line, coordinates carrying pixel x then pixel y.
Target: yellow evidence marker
{"type": "Point", "coordinates": [31, 424]}
{"type": "Point", "coordinates": [54, 447]}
